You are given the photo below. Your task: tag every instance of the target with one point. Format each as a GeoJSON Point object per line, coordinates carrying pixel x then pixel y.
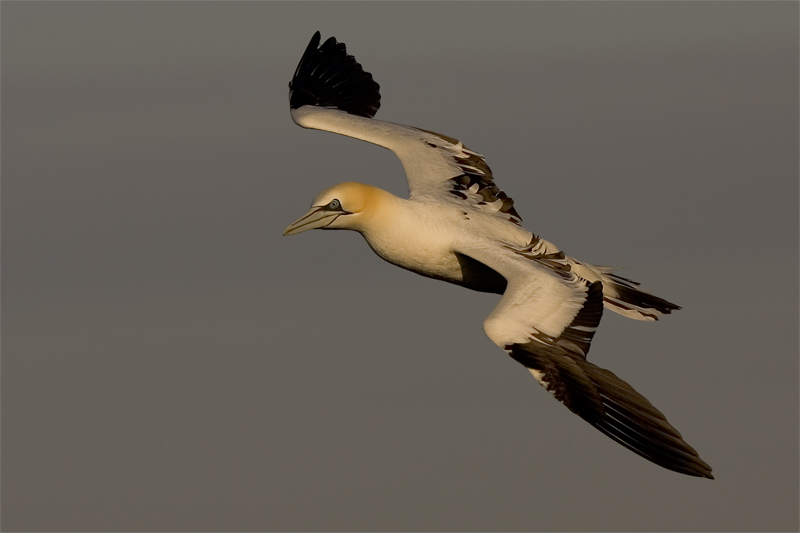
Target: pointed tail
{"type": "Point", "coordinates": [623, 295]}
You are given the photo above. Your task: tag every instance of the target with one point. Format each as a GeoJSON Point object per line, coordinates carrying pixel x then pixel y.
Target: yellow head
{"type": "Point", "coordinates": [348, 205]}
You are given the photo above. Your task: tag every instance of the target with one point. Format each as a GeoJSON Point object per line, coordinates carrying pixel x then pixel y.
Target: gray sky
{"type": "Point", "coordinates": [170, 362]}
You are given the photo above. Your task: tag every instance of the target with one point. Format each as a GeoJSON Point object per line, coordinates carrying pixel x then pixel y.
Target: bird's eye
{"type": "Point", "coordinates": [335, 204]}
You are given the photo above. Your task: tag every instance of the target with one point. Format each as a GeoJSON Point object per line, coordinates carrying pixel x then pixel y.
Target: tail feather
{"type": "Point", "coordinates": [623, 295]}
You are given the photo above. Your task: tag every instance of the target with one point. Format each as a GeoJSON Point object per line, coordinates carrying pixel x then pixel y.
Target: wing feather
{"type": "Point", "coordinates": [553, 345]}
{"type": "Point", "coordinates": [330, 91]}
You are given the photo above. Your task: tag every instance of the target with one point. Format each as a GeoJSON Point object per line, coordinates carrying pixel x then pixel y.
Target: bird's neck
{"type": "Point", "coordinates": [382, 211]}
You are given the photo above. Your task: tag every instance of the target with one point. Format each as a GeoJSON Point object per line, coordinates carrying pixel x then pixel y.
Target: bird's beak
{"type": "Point", "coordinates": [317, 217]}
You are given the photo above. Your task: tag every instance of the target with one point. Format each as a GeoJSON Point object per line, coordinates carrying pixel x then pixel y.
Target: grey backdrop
{"type": "Point", "coordinates": [171, 363]}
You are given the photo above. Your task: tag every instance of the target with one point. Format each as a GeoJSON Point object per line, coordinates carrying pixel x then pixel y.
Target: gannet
{"type": "Point", "coordinates": [458, 226]}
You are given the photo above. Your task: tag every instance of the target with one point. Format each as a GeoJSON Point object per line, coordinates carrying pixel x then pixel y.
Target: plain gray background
{"type": "Point", "coordinates": [171, 363]}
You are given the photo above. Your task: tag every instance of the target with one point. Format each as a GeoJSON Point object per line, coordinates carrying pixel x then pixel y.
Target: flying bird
{"type": "Point", "coordinates": [458, 226]}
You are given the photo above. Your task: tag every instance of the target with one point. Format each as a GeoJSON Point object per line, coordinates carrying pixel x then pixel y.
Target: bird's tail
{"type": "Point", "coordinates": [623, 295]}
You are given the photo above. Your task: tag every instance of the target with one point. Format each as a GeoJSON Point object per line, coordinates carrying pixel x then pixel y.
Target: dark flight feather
{"type": "Point", "coordinates": [328, 77]}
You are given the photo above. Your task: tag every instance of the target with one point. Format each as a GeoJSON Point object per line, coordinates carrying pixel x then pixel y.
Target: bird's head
{"type": "Point", "coordinates": [343, 206]}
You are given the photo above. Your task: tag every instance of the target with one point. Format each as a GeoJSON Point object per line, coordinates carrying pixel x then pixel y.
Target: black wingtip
{"type": "Point", "coordinates": [611, 405]}
{"type": "Point", "coordinates": [328, 77]}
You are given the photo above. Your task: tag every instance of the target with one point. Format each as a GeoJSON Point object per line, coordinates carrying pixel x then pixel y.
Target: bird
{"type": "Point", "coordinates": [457, 226]}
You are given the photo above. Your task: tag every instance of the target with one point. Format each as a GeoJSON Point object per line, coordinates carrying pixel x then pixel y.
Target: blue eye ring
{"type": "Point", "coordinates": [335, 204]}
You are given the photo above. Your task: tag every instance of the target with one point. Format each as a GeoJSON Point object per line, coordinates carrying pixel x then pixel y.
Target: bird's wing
{"type": "Point", "coordinates": [331, 92]}
{"type": "Point", "coordinates": [545, 321]}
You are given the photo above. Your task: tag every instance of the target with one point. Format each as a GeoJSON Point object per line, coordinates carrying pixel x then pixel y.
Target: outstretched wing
{"type": "Point", "coordinates": [331, 92]}
{"type": "Point", "coordinates": [545, 321]}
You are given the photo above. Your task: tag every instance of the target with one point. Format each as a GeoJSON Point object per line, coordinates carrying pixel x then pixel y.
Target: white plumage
{"type": "Point", "coordinates": [458, 226]}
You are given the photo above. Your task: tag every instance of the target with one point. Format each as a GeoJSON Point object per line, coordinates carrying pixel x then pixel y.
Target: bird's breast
{"type": "Point", "coordinates": [417, 248]}
{"type": "Point", "coordinates": [425, 241]}
{"type": "Point", "coordinates": [417, 239]}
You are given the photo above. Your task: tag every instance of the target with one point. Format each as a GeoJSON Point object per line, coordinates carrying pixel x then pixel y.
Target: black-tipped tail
{"type": "Point", "coordinates": [328, 77]}
{"type": "Point", "coordinates": [625, 297]}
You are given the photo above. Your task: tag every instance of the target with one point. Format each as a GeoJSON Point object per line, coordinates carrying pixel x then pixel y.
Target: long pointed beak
{"type": "Point", "coordinates": [317, 217]}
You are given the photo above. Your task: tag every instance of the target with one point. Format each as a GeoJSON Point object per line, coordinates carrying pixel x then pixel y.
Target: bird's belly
{"type": "Point", "coordinates": [434, 258]}
{"type": "Point", "coordinates": [424, 258]}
